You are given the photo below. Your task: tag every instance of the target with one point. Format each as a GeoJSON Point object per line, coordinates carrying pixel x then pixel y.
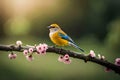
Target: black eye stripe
{"type": "Point", "coordinates": [52, 27]}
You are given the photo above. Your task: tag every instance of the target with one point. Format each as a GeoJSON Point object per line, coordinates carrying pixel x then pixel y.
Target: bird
{"type": "Point", "coordinates": [60, 38]}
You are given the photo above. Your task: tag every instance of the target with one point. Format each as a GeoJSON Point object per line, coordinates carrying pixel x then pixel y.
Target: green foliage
{"type": "Point", "coordinates": [113, 37]}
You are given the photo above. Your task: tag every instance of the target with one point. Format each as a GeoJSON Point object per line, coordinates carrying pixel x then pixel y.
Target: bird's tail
{"type": "Point", "coordinates": [81, 49]}
{"type": "Point", "coordinates": [74, 45]}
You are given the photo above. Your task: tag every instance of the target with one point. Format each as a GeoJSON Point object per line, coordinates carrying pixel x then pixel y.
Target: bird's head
{"type": "Point", "coordinates": [53, 27]}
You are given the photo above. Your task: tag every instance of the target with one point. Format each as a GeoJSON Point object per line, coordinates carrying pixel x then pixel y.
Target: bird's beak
{"type": "Point", "coordinates": [49, 27]}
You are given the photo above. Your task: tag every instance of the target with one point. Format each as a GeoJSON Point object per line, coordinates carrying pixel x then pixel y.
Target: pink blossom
{"type": "Point", "coordinates": [12, 56]}
{"type": "Point", "coordinates": [19, 43]}
{"type": "Point", "coordinates": [117, 61]}
{"type": "Point", "coordinates": [66, 56]}
{"type": "Point", "coordinates": [25, 52]}
{"type": "Point", "coordinates": [30, 50]}
{"type": "Point", "coordinates": [41, 48]}
{"type": "Point", "coordinates": [92, 54]}
{"type": "Point", "coordinates": [43, 52]}
{"type": "Point", "coordinates": [60, 58]}
{"type": "Point", "coordinates": [45, 46]}
{"type": "Point", "coordinates": [29, 57]}
{"type": "Point", "coordinates": [67, 61]}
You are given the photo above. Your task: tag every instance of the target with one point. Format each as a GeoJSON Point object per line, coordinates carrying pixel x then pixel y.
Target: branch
{"type": "Point", "coordinates": [84, 57]}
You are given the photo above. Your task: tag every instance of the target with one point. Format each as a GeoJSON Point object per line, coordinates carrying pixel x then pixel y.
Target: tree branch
{"type": "Point", "coordinates": [84, 57]}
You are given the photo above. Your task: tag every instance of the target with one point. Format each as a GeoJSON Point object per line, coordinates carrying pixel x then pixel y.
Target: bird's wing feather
{"type": "Point", "coordinates": [71, 42]}
{"type": "Point", "coordinates": [66, 37]}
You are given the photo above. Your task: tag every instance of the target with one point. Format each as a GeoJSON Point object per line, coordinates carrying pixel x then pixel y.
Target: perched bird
{"type": "Point", "coordinates": [60, 38]}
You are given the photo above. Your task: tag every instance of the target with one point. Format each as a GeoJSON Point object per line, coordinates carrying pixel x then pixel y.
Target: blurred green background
{"type": "Point", "coordinates": [93, 24]}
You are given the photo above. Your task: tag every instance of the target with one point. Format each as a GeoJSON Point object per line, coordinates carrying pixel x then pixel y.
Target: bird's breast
{"type": "Point", "coordinates": [56, 39]}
